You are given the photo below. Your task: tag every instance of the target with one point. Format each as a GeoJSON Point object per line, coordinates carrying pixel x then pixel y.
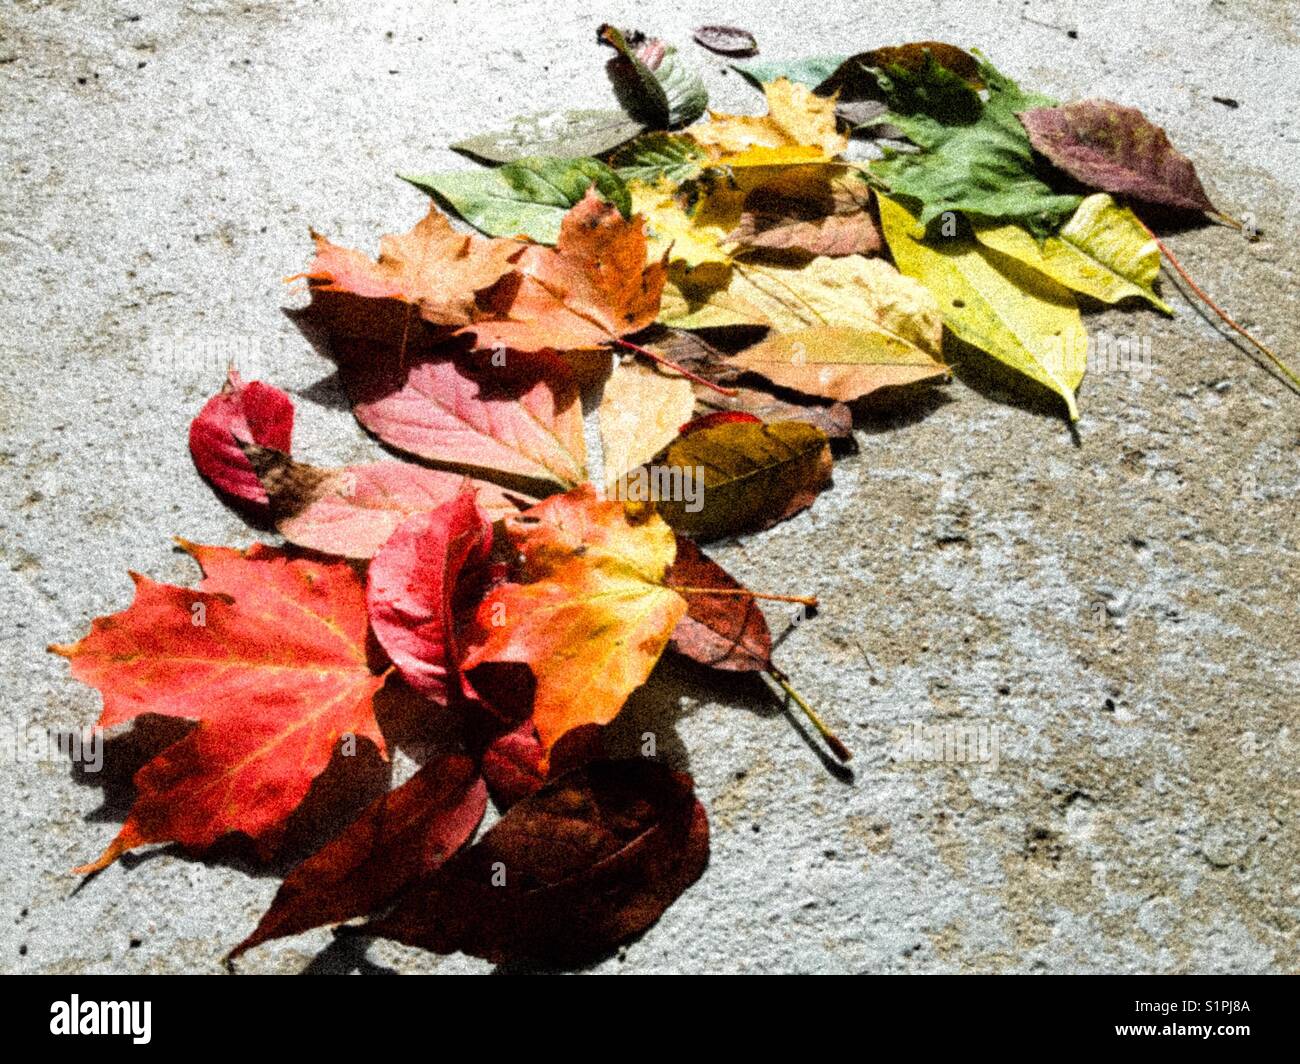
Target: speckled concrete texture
{"type": "Point", "coordinates": [1117, 609]}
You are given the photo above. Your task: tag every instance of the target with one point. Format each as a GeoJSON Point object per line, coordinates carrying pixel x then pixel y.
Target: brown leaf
{"type": "Point", "coordinates": [810, 210]}
{"type": "Point", "coordinates": [432, 268]}
{"type": "Point", "coordinates": [589, 861]}
{"type": "Point", "coordinates": [593, 287]}
{"type": "Point", "coordinates": [402, 836]}
{"type": "Point", "coordinates": [726, 40]}
{"type": "Point", "coordinates": [721, 631]}
{"type": "Point", "coordinates": [1118, 150]}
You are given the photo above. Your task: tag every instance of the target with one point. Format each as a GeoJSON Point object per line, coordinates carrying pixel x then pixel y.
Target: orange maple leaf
{"type": "Point", "coordinates": [590, 615]}
{"type": "Point", "coordinates": [268, 654]}
{"type": "Point", "coordinates": [433, 267]}
{"type": "Point", "coordinates": [589, 290]}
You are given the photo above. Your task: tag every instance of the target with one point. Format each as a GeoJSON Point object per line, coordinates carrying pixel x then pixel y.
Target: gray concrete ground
{"type": "Point", "coordinates": [1119, 611]}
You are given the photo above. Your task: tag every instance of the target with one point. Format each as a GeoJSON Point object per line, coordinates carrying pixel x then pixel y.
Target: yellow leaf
{"type": "Point", "coordinates": [796, 116]}
{"type": "Point", "coordinates": [843, 326]}
{"type": "Point", "coordinates": [640, 412]}
{"type": "Point", "coordinates": [1019, 316]}
{"type": "Point", "coordinates": [702, 298]}
{"type": "Point", "coordinates": [1102, 251]}
{"type": "Point", "coordinates": [696, 237]}
{"type": "Point", "coordinates": [761, 157]}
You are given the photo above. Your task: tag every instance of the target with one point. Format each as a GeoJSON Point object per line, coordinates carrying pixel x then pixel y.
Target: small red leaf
{"type": "Point", "coordinates": [721, 631]}
{"type": "Point", "coordinates": [240, 413]}
{"type": "Point", "coordinates": [721, 417]}
{"type": "Point", "coordinates": [412, 589]}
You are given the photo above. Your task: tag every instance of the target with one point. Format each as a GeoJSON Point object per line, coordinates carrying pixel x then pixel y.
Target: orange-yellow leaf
{"type": "Point", "coordinates": [589, 615]}
{"type": "Point", "coordinates": [432, 267]}
{"type": "Point", "coordinates": [593, 287]}
{"type": "Point", "coordinates": [796, 117]}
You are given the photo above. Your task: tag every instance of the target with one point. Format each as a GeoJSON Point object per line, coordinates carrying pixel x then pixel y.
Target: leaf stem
{"type": "Point", "coordinates": [832, 740]}
{"type": "Point", "coordinates": [729, 392]}
{"type": "Point", "coordinates": [805, 600]}
{"type": "Point", "coordinates": [1178, 266]}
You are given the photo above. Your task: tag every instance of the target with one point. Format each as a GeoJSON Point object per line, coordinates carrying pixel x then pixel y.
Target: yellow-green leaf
{"type": "Point", "coordinates": [1102, 251]}
{"type": "Point", "coordinates": [1021, 317]}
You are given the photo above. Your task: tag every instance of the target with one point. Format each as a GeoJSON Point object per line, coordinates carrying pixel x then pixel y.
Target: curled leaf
{"type": "Point", "coordinates": [239, 414]}
{"type": "Point", "coordinates": [655, 84]}
{"type": "Point", "coordinates": [412, 590]}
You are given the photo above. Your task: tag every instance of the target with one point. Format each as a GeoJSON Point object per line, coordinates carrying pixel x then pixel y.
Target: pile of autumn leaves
{"type": "Point", "coordinates": [533, 621]}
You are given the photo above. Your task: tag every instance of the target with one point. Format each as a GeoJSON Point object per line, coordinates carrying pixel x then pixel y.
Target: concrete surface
{"type": "Point", "coordinates": [1120, 607]}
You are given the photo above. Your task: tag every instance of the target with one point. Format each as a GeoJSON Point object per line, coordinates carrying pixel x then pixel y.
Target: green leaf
{"type": "Point", "coordinates": [653, 157]}
{"type": "Point", "coordinates": [669, 95]}
{"type": "Point", "coordinates": [812, 71]}
{"type": "Point", "coordinates": [554, 133]}
{"type": "Point", "coordinates": [528, 197]}
{"type": "Point", "coordinates": [975, 155]}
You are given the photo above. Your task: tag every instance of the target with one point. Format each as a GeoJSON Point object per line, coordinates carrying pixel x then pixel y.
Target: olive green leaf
{"type": "Point", "coordinates": [528, 197]}
{"type": "Point", "coordinates": [744, 476]}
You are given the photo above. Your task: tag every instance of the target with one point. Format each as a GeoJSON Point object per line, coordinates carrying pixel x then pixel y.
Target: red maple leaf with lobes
{"type": "Point", "coordinates": [269, 656]}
